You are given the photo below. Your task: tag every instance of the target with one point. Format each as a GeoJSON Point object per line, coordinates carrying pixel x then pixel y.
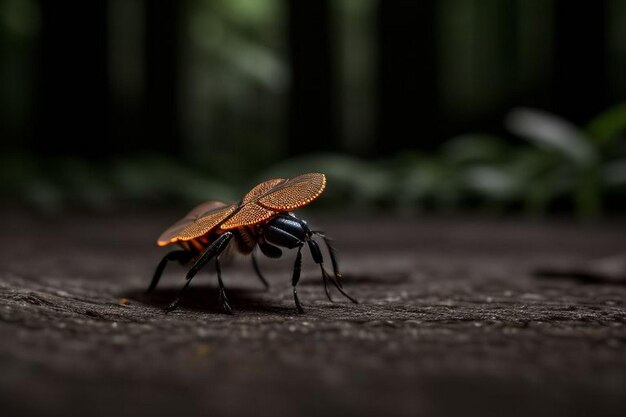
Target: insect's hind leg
{"type": "Point", "coordinates": [316, 253]}
{"type": "Point", "coordinates": [216, 248]}
{"type": "Point", "coordinates": [223, 298]}
{"type": "Point", "coordinates": [177, 255]}
{"type": "Point", "coordinates": [296, 277]}
{"type": "Point", "coordinates": [255, 265]}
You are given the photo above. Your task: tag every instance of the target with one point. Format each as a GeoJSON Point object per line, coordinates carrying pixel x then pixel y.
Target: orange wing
{"type": "Point", "coordinates": [262, 189]}
{"type": "Point", "coordinates": [261, 203]}
{"type": "Point", "coordinates": [250, 213]}
{"type": "Point", "coordinates": [197, 222]}
{"type": "Point", "coordinates": [293, 193]}
{"type": "Point", "coordinates": [273, 196]}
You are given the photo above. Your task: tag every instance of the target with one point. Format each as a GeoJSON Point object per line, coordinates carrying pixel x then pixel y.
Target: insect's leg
{"type": "Point", "coordinates": [316, 253]}
{"type": "Point", "coordinates": [216, 248]}
{"type": "Point", "coordinates": [270, 250]}
{"type": "Point", "coordinates": [296, 277]}
{"type": "Point", "coordinates": [223, 298]}
{"type": "Point", "coordinates": [317, 258]}
{"type": "Point", "coordinates": [339, 287]}
{"type": "Point", "coordinates": [172, 256]}
{"type": "Point", "coordinates": [255, 265]}
{"type": "Point", "coordinates": [333, 254]}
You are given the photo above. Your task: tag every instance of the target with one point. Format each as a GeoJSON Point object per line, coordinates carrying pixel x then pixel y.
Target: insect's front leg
{"type": "Point", "coordinates": [296, 277]}
{"type": "Point", "coordinates": [332, 252]}
{"type": "Point", "coordinates": [216, 248]}
{"type": "Point", "coordinates": [316, 253]}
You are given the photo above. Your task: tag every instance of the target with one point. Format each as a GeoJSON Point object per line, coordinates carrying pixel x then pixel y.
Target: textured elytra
{"type": "Point", "coordinates": [259, 204]}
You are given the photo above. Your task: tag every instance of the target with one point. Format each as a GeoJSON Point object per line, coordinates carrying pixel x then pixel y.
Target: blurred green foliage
{"type": "Point", "coordinates": [235, 81]}
{"type": "Point", "coordinates": [558, 168]}
{"type": "Point", "coordinates": [233, 97]}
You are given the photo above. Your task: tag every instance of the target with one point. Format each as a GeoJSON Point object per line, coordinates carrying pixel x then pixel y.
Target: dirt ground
{"type": "Point", "coordinates": [453, 320]}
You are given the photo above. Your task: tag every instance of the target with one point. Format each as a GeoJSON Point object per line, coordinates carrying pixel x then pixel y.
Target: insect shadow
{"type": "Point", "coordinates": [206, 299]}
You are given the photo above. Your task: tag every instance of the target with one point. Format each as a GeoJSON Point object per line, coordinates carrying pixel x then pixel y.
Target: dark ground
{"type": "Point", "coordinates": [452, 321]}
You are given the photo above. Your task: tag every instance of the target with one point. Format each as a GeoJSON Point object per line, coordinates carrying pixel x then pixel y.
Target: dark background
{"type": "Point", "coordinates": [406, 104]}
{"type": "Point", "coordinates": [476, 168]}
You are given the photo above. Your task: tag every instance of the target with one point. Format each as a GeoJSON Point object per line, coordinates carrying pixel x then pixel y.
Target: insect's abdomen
{"type": "Point", "coordinates": [198, 244]}
{"type": "Point", "coordinates": [246, 239]}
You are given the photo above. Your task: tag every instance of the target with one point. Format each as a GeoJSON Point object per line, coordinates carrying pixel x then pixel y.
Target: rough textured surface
{"type": "Point", "coordinates": [452, 321]}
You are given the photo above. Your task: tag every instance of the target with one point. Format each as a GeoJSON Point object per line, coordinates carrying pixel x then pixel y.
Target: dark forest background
{"type": "Point", "coordinates": [454, 105]}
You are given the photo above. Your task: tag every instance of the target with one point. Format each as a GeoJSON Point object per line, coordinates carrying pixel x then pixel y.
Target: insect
{"type": "Point", "coordinates": [263, 219]}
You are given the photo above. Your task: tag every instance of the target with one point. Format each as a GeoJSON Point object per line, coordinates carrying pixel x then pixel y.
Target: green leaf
{"type": "Point", "coordinates": [552, 133]}
{"type": "Point", "coordinates": [495, 183]}
{"type": "Point", "coordinates": [608, 124]}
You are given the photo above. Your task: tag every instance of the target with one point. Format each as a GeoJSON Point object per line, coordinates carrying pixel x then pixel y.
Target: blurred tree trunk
{"type": "Point", "coordinates": [532, 34]}
{"type": "Point", "coordinates": [407, 76]}
{"type": "Point", "coordinates": [313, 117]}
{"type": "Point", "coordinates": [580, 60]}
{"type": "Point", "coordinates": [162, 56]}
{"type": "Point", "coordinates": [73, 101]}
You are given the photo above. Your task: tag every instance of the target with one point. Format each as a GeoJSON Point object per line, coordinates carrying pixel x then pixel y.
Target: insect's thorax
{"type": "Point", "coordinates": [283, 230]}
